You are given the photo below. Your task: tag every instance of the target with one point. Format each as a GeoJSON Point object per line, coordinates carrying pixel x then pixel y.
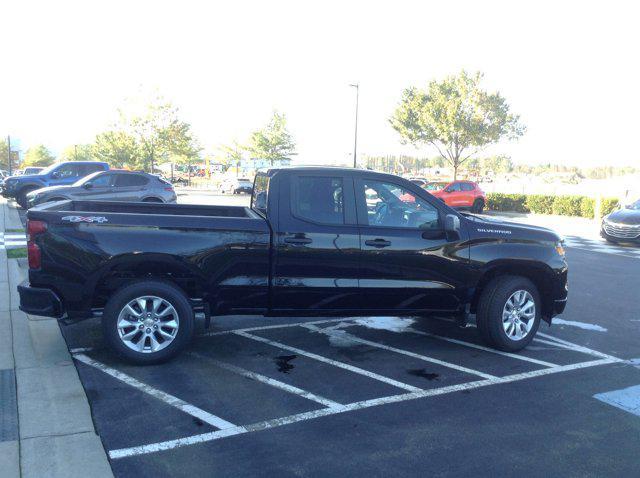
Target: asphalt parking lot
{"type": "Point", "coordinates": [383, 396]}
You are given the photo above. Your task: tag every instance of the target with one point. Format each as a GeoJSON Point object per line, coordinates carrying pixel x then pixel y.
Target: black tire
{"type": "Point", "coordinates": [164, 290]}
{"type": "Point", "coordinates": [490, 309]}
{"type": "Point", "coordinates": [21, 197]}
{"type": "Point", "coordinates": [478, 206]}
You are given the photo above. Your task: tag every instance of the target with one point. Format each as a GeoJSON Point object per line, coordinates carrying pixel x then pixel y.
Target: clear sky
{"type": "Point", "coordinates": [570, 69]}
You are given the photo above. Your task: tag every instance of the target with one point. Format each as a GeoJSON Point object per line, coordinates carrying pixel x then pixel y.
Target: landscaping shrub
{"type": "Point", "coordinates": [582, 206]}
{"type": "Point", "coordinates": [506, 202]}
{"type": "Point", "coordinates": [540, 203]}
{"type": "Point", "coordinates": [609, 205]}
{"type": "Point", "coordinates": [567, 205]}
{"type": "Point", "coordinates": [587, 206]}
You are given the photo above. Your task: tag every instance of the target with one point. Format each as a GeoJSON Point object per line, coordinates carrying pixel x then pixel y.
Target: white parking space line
{"type": "Point", "coordinates": [575, 347]}
{"type": "Point", "coordinates": [424, 358]}
{"type": "Point", "coordinates": [160, 395]}
{"type": "Point", "coordinates": [207, 437]}
{"type": "Point", "coordinates": [269, 327]}
{"type": "Point", "coordinates": [269, 381]}
{"type": "Point", "coordinates": [329, 361]}
{"type": "Point", "coordinates": [481, 347]}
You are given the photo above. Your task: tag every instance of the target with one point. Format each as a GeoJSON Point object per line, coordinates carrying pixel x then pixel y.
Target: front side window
{"type": "Point", "coordinates": [467, 186]}
{"type": "Point", "coordinates": [390, 205]}
{"type": "Point", "coordinates": [318, 199]}
{"type": "Point", "coordinates": [455, 187]}
{"type": "Point", "coordinates": [68, 171]}
{"type": "Point", "coordinates": [101, 181]}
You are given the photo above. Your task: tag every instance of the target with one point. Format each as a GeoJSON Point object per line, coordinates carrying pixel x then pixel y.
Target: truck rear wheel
{"type": "Point", "coordinates": [508, 313]}
{"type": "Point", "coordinates": [148, 322]}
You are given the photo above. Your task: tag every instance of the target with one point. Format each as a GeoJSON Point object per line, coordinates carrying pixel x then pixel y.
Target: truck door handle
{"type": "Point", "coordinates": [378, 243]}
{"type": "Point", "coordinates": [298, 240]}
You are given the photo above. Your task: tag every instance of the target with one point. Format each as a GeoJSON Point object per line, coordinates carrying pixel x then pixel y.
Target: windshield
{"type": "Point", "coordinates": [81, 181]}
{"type": "Point", "coordinates": [635, 205]}
{"type": "Point", "coordinates": [48, 169]}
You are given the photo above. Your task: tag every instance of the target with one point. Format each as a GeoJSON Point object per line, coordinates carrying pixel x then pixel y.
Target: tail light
{"type": "Point", "coordinates": [34, 229]}
{"type": "Point", "coordinates": [169, 189]}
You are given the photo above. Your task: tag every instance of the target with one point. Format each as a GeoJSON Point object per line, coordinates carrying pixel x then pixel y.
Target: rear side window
{"type": "Point", "coordinates": [466, 186]}
{"type": "Point", "coordinates": [87, 169]}
{"type": "Point", "coordinates": [125, 180]}
{"type": "Point", "coordinates": [318, 199]}
{"type": "Point", "coordinates": [260, 194]}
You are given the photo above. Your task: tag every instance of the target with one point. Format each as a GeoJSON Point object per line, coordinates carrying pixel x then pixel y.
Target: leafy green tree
{"type": "Point", "coordinates": [160, 133]}
{"type": "Point", "coordinates": [38, 155]}
{"type": "Point", "coordinates": [456, 116]}
{"type": "Point", "coordinates": [273, 142]}
{"type": "Point", "coordinates": [118, 148]}
{"type": "Point", "coordinates": [78, 152]}
{"type": "Point", "coordinates": [4, 158]}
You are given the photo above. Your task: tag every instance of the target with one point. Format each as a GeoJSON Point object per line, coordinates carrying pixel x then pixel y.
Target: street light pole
{"type": "Point", "coordinates": [355, 138]}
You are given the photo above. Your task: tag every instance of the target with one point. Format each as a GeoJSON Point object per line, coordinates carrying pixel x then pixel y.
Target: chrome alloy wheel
{"type": "Point", "coordinates": [519, 315]}
{"type": "Point", "coordinates": [148, 324]}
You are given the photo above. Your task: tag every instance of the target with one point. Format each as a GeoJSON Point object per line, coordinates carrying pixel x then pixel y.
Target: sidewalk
{"type": "Point", "coordinates": [45, 421]}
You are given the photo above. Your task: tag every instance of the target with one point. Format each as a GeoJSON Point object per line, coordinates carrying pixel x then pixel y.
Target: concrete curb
{"type": "Point", "coordinates": [56, 436]}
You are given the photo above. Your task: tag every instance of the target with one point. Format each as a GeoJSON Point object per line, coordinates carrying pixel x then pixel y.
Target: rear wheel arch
{"type": "Point", "coordinates": [128, 269]}
{"type": "Point", "coordinates": [539, 274]}
{"type": "Point", "coordinates": [152, 199]}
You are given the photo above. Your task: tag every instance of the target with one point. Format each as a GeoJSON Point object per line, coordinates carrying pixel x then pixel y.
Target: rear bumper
{"type": "Point", "coordinates": [39, 301]}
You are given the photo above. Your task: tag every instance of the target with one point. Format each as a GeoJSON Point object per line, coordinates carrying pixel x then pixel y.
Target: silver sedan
{"type": "Point", "coordinates": [109, 186]}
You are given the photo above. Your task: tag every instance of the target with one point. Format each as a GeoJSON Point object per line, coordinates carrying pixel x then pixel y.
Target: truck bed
{"type": "Point", "coordinates": [147, 208]}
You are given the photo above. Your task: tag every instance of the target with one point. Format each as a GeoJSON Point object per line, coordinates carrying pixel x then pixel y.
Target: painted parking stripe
{"type": "Point", "coordinates": [269, 327]}
{"type": "Point", "coordinates": [269, 381]}
{"type": "Point", "coordinates": [481, 347]}
{"type": "Point", "coordinates": [627, 399]}
{"type": "Point", "coordinates": [265, 425]}
{"type": "Point", "coordinates": [408, 353]}
{"type": "Point", "coordinates": [329, 361]}
{"type": "Point", "coordinates": [576, 347]}
{"type": "Point", "coordinates": [160, 395]}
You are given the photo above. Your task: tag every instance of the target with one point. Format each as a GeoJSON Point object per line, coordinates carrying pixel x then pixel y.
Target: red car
{"type": "Point", "coordinates": [463, 194]}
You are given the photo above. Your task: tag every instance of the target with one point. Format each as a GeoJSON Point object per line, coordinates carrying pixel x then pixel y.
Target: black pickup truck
{"type": "Point", "coordinates": [315, 242]}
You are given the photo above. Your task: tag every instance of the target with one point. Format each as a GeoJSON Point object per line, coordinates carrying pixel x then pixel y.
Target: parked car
{"type": "Point", "coordinates": [622, 225]}
{"type": "Point", "coordinates": [61, 174]}
{"type": "Point", "coordinates": [462, 194]}
{"type": "Point", "coordinates": [236, 186]}
{"type": "Point", "coordinates": [308, 245]}
{"type": "Point", "coordinates": [108, 186]}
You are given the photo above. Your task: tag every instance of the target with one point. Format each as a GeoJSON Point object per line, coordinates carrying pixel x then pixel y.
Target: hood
{"type": "Point", "coordinates": [490, 227]}
{"type": "Point", "coordinates": [27, 176]}
{"type": "Point", "coordinates": [629, 217]}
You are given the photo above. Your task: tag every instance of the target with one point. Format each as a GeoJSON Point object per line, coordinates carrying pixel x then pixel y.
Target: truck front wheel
{"type": "Point", "coordinates": [148, 322]}
{"type": "Point", "coordinates": [508, 313]}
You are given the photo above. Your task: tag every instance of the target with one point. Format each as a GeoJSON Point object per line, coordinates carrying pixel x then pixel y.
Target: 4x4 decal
{"type": "Point", "coordinates": [98, 219]}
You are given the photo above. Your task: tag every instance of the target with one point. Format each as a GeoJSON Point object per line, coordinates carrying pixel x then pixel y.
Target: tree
{"type": "Point", "coordinates": [78, 152]}
{"type": "Point", "coordinates": [456, 116]}
{"type": "Point", "coordinates": [118, 148]}
{"type": "Point", "coordinates": [273, 142]}
{"type": "Point", "coordinates": [38, 155]}
{"type": "Point", "coordinates": [4, 151]}
{"type": "Point", "coordinates": [232, 154]}
{"type": "Point", "coordinates": [159, 133]}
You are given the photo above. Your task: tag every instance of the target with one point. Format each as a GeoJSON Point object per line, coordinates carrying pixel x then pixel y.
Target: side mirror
{"type": "Point", "coordinates": [87, 185]}
{"type": "Point", "coordinates": [452, 223]}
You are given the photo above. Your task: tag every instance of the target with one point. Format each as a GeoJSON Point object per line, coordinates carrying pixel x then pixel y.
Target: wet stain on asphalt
{"type": "Point", "coordinates": [421, 372]}
{"type": "Point", "coordinates": [282, 361]}
{"type": "Point", "coordinates": [198, 422]}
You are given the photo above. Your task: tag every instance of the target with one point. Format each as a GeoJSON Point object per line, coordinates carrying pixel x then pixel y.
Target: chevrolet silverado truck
{"type": "Point", "coordinates": [314, 242]}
